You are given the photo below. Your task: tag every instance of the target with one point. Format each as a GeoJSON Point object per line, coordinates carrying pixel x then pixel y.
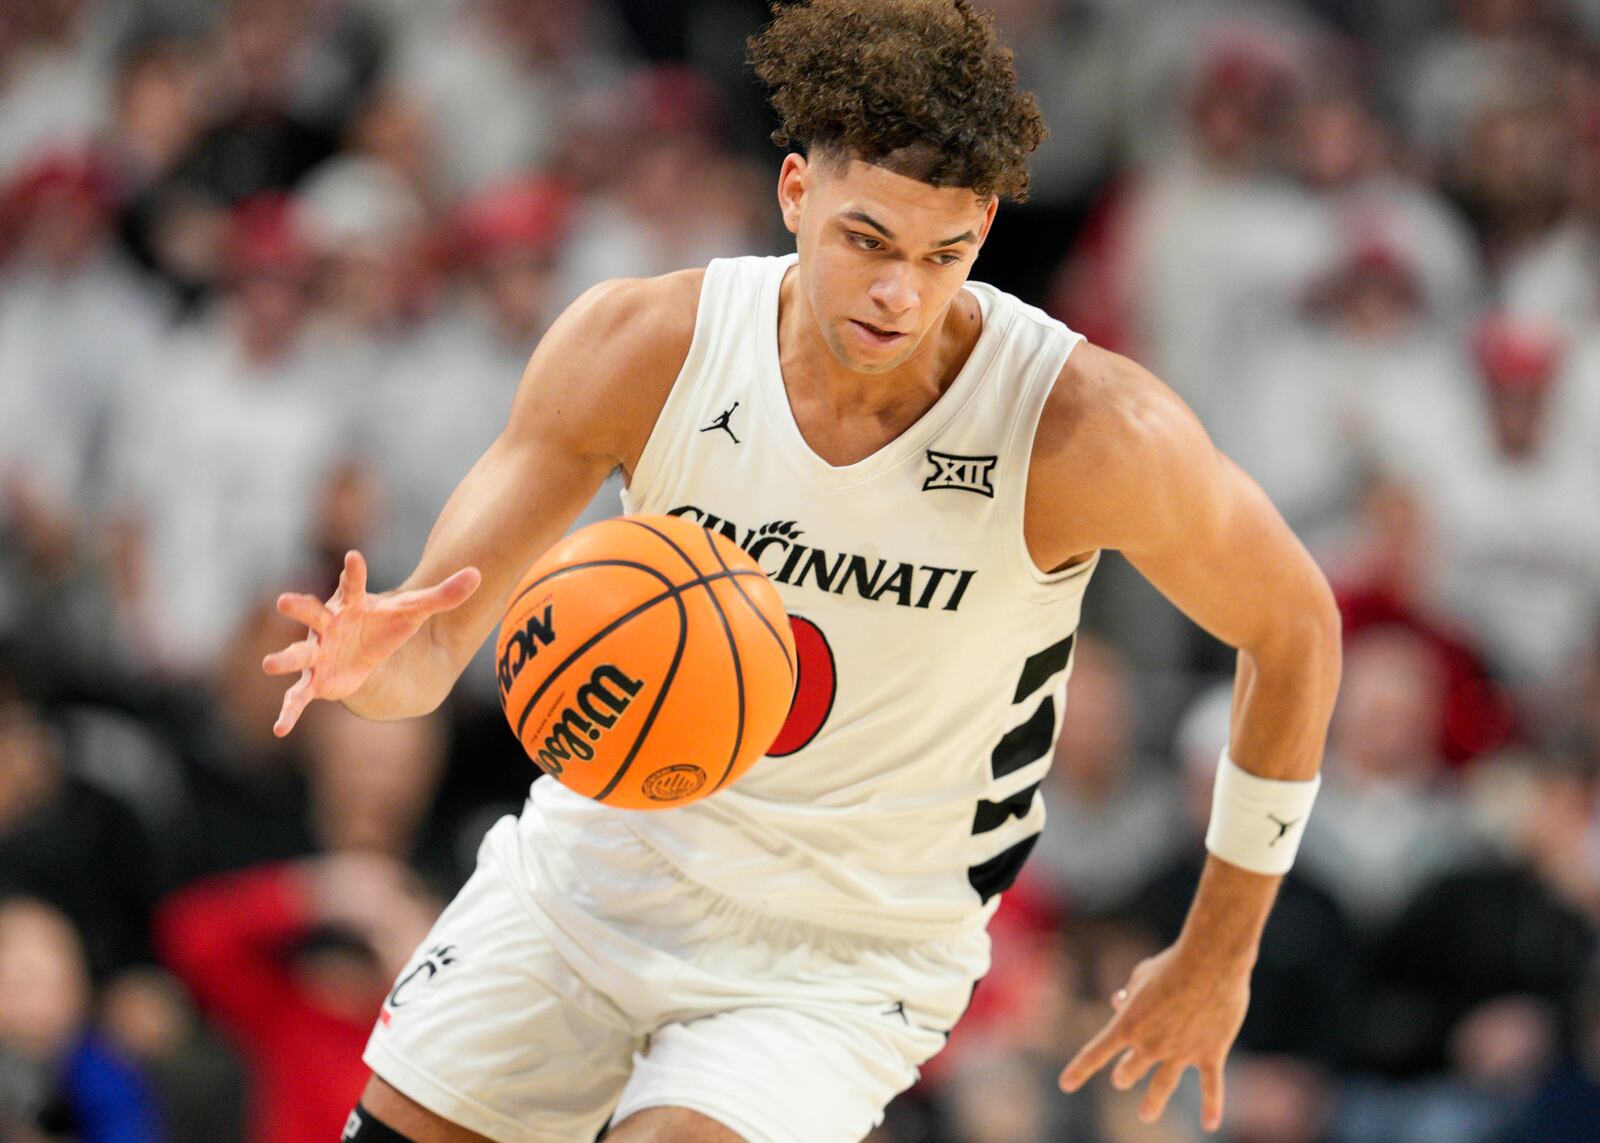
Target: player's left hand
{"type": "Point", "coordinates": [1178, 1011]}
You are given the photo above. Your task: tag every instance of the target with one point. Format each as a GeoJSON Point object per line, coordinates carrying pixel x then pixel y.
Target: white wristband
{"type": "Point", "coordinates": [1257, 823]}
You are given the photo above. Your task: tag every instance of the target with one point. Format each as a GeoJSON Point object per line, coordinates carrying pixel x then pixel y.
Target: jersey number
{"type": "Point", "coordinates": [815, 684]}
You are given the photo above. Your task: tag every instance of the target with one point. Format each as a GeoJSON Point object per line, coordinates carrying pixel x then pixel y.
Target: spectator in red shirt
{"type": "Point", "coordinates": [292, 962]}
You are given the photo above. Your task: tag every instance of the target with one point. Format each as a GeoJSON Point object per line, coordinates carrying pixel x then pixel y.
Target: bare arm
{"type": "Point", "coordinates": [586, 404]}
{"type": "Point", "coordinates": [1149, 482]}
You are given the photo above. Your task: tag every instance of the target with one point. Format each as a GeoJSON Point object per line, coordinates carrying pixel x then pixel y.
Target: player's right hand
{"type": "Point", "coordinates": [353, 633]}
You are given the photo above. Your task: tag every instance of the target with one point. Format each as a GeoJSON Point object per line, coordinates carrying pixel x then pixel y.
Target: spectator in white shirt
{"type": "Point", "coordinates": [1516, 519]}
{"type": "Point", "coordinates": [76, 324]}
{"type": "Point", "coordinates": [227, 453]}
{"type": "Point", "coordinates": [1382, 767]}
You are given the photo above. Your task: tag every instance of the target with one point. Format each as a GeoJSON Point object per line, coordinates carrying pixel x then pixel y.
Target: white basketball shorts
{"type": "Point", "coordinates": [572, 982]}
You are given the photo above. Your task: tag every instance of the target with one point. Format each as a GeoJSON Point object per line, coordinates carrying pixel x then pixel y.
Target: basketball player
{"type": "Point", "coordinates": [928, 469]}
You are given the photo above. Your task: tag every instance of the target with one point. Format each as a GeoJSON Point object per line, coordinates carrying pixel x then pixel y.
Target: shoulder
{"type": "Point", "coordinates": [607, 363]}
{"type": "Point", "coordinates": [646, 321]}
{"type": "Point", "coordinates": [1114, 454]}
{"type": "Point", "coordinates": [1108, 414]}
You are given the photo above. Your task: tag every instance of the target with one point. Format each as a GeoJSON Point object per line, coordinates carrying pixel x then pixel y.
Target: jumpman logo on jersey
{"type": "Point", "coordinates": [722, 422]}
{"type": "Point", "coordinates": [1283, 828]}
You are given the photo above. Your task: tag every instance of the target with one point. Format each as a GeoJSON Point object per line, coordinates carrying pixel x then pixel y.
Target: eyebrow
{"type": "Point", "coordinates": [866, 219]}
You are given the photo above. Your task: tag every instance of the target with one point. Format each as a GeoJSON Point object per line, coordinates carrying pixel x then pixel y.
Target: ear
{"type": "Point", "coordinates": [793, 180]}
{"type": "Point", "coordinates": [988, 218]}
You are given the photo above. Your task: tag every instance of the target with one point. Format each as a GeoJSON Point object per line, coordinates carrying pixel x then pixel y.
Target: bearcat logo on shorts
{"type": "Point", "coordinates": [670, 783]}
{"type": "Point", "coordinates": [433, 962]}
{"type": "Point", "coordinates": [539, 631]}
{"type": "Point", "coordinates": [593, 711]}
{"type": "Point", "coordinates": [777, 549]}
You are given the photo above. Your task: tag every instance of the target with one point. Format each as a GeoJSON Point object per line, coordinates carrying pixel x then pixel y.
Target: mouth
{"type": "Point", "coordinates": [877, 335]}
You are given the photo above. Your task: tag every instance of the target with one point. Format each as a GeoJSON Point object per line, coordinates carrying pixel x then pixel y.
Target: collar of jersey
{"type": "Point", "coordinates": [909, 444]}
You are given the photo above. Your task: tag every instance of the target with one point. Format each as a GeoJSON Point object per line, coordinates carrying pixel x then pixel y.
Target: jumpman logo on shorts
{"type": "Point", "coordinates": [722, 423]}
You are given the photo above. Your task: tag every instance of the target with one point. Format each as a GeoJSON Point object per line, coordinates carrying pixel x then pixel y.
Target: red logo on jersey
{"type": "Point", "coordinates": [815, 685]}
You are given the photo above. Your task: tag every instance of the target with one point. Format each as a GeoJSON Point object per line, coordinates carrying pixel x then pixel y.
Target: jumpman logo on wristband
{"type": "Point", "coordinates": [1283, 828]}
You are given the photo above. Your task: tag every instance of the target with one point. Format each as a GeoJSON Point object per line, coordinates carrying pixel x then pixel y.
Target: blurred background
{"type": "Point", "coordinates": [269, 270]}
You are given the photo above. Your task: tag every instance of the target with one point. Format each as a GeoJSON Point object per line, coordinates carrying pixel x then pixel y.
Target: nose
{"type": "Point", "coordinates": [894, 290]}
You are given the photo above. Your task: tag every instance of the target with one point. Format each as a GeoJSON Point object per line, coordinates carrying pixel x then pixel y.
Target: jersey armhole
{"type": "Point", "coordinates": [1024, 431]}
{"type": "Point", "coordinates": [658, 446]}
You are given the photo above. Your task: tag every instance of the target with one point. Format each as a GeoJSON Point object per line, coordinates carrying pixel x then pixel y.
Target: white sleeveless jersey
{"type": "Point", "coordinates": [903, 794]}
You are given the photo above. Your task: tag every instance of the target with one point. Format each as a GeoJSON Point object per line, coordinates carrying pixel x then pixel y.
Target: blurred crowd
{"type": "Point", "coordinates": [269, 271]}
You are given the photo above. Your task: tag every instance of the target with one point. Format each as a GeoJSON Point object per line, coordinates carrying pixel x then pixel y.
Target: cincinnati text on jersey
{"type": "Point", "coordinates": [776, 548]}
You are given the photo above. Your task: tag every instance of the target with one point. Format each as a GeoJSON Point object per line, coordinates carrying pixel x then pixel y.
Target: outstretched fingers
{"type": "Point", "coordinates": [1131, 1068]}
{"type": "Point", "coordinates": [445, 595]}
{"type": "Point", "coordinates": [1162, 1085]}
{"type": "Point", "coordinates": [1211, 1096]}
{"type": "Point", "coordinates": [1094, 1055]}
{"type": "Point", "coordinates": [295, 702]}
{"type": "Point", "coordinates": [306, 609]}
{"type": "Point", "coordinates": [296, 657]}
{"type": "Point", "coordinates": [353, 579]}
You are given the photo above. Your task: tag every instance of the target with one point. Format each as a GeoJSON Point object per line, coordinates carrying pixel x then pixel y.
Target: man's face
{"type": "Point", "coordinates": [1518, 414]}
{"type": "Point", "coordinates": [882, 255]}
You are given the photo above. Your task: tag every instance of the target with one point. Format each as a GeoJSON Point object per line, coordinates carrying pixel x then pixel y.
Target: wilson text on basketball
{"type": "Point", "coordinates": [593, 711]}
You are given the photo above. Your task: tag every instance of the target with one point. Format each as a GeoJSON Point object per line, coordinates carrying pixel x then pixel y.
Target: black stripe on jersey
{"type": "Point", "coordinates": [998, 873]}
{"type": "Point", "coordinates": [1026, 743]}
{"type": "Point", "coordinates": [993, 815]}
{"type": "Point", "coordinates": [1040, 666]}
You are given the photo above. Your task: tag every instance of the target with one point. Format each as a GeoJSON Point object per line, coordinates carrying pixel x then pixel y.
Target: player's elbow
{"type": "Point", "coordinates": [1306, 636]}
{"type": "Point", "coordinates": [1329, 635]}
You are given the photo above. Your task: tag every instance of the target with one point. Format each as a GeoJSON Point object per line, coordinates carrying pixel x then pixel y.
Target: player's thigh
{"type": "Point", "coordinates": [492, 1029]}
{"type": "Point", "coordinates": [671, 1125]}
{"type": "Point", "coordinates": [780, 1074]}
{"type": "Point", "coordinates": [399, 1112]}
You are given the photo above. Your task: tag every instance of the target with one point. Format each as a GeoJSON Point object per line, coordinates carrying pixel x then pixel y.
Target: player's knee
{"type": "Point", "coordinates": [364, 1127]}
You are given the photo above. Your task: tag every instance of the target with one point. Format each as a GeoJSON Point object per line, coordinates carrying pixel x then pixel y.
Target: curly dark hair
{"type": "Point", "coordinates": [923, 88]}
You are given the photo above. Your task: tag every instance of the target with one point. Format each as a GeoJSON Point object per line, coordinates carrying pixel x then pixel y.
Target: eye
{"type": "Point", "coordinates": [946, 259]}
{"type": "Point", "coordinates": [865, 242]}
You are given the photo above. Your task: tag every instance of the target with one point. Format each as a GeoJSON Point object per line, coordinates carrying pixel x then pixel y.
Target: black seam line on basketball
{"type": "Point", "coordinates": [555, 673]}
{"type": "Point", "coordinates": [738, 668]}
{"type": "Point", "coordinates": [794, 678]}
{"type": "Point", "coordinates": [675, 590]}
{"type": "Point", "coordinates": [667, 540]}
{"type": "Point", "coordinates": [799, 673]}
{"type": "Point", "coordinates": [655, 707]}
{"type": "Point", "coordinates": [718, 557]}
{"type": "Point", "coordinates": [550, 575]}
{"type": "Point", "coordinates": [727, 630]}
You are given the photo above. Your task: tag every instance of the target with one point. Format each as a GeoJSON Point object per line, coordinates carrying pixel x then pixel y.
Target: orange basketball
{"type": "Point", "coordinates": [645, 662]}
